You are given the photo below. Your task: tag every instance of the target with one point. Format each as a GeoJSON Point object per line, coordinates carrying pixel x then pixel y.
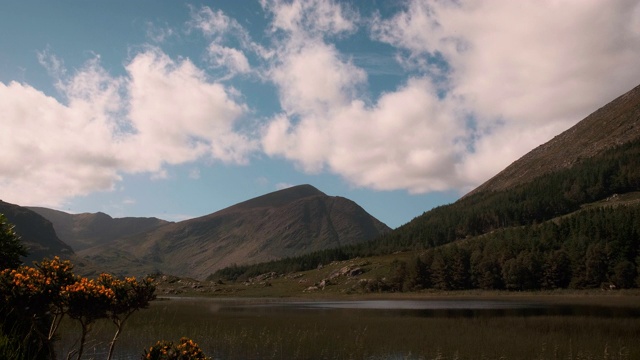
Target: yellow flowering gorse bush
{"type": "Point", "coordinates": [43, 294]}
{"type": "Point", "coordinates": [187, 349]}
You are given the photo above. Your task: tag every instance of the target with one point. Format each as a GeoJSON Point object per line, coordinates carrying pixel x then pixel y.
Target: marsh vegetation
{"type": "Point", "coordinates": [375, 329]}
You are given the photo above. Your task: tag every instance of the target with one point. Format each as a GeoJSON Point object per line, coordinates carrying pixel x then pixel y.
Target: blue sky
{"type": "Point", "coordinates": [179, 109]}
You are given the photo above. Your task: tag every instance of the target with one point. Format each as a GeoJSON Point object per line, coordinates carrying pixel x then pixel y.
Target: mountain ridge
{"type": "Point", "coordinates": [36, 232]}
{"type": "Point", "coordinates": [84, 230]}
{"type": "Point", "coordinates": [283, 223]}
{"type": "Point", "coordinates": [613, 124]}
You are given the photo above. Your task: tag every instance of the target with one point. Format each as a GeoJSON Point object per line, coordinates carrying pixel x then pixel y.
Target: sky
{"type": "Point", "coordinates": [179, 109]}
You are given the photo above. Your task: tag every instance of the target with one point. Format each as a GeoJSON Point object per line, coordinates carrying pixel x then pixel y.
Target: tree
{"type": "Point", "coordinates": [33, 304]}
{"type": "Point", "coordinates": [460, 268]}
{"type": "Point", "coordinates": [130, 295]}
{"type": "Point", "coordinates": [441, 271]}
{"type": "Point", "coordinates": [11, 249]}
{"type": "Point", "coordinates": [418, 275]}
{"type": "Point", "coordinates": [485, 271]}
{"type": "Point", "coordinates": [624, 274]}
{"type": "Point", "coordinates": [397, 275]}
{"type": "Point", "coordinates": [37, 298]}
{"type": "Point", "coordinates": [596, 265]}
{"type": "Point", "coordinates": [86, 301]}
{"type": "Point", "coordinates": [522, 272]}
{"type": "Point", "coordinates": [556, 270]}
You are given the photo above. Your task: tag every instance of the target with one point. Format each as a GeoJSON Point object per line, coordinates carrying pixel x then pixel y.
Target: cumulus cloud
{"type": "Point", "coordinates": [163, 112]}
{"type": "Point", "coordinates": [224, 57]}
{"type": "Point", "coordinates": [526, 70]}
{"type": "Point", "coordinates": [317, 18]}
{"type": "Point", "coordinates": [179, 115]}
{"type": "Point", "coordinates": [488, 82]}
{"type": "Point", "coordinates": [484, 82]}
{"type": "Point", "coordinates": [408, 139]}
{"type": "Point", "coordinates": [52, 151]}
{"type": "Point", "coordinates": [313, 79]}
{"type": "Point", "coordinates": [211, 23]}
{"type": "Point", "coordinates": [220, 29]}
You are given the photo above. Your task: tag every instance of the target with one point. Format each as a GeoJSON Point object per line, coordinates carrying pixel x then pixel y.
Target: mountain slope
{"type": "Point", "coordinates": [284, 223]}
{"type": "Point", "coordinates": [612, 125]}
{"type": "Point", "coordinates": [596, 158]}
{"type": "Point", "coordinates": [564, 215]}
{"type": "Point", "coordinates": [36, 232]}
{"type": "Point", "coordinates": [82, 231]}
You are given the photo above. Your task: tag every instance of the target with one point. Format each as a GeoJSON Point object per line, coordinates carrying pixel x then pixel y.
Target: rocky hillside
{"type": "Point", "coordinates": [284, 223]}
{"type": "Point", "coordinates": [614, 124]}
{"type": "Point", "coordinates": [82, 231]}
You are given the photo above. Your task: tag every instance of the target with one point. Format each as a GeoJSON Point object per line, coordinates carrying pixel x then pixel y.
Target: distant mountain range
{"type": "Point", "coordinates": [82, 231]}
{"type": "Point", "coordinates": [583, 168]}
{"type": "Point", "coordinates": [284, 223]}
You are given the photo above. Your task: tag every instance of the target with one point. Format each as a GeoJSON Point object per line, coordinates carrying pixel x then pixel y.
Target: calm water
{"type": "Point", "coordinates": [378, 329]}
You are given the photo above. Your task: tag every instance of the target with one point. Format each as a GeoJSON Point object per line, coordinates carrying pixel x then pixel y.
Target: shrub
{"type": "Point", "coordinates": [34, 300]}
{"type": "Point", "coordinates": [167, 350]}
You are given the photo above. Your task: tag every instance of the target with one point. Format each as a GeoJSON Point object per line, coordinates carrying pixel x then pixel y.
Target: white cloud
{"type": "Point", "coordinates": [211, 23]}
{"type": "Point", "coordinates": [232, 59]}
{"type": "Point", "coordinates": [51, 151]}
{"type": "Point", "coordinates": [179, 115]}
{"type": "Point", "coordinates": [317, 18]}
{"type": "Point", "coordinates": [163, 112]}
{"type": "Point", "coordinates": [282, 186]}
{"type": "Point", "coordinates": [507, 77]}
{"type": "Point", "coordinates": [159, 34]}
{"type": "Point", "coordinates": [220, 28]}
{"type": "Point", "coordinates": [407, 140]}
{"type": "Point", "coordinates": [313, 79]}
{"type": "Point", "coordinates": [527, 69]}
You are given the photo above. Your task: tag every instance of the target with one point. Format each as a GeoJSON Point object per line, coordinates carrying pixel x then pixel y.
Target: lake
{"type": "Point", "coordinates": [378, 329]}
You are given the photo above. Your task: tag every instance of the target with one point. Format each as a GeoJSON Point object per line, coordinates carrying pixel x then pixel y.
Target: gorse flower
{"type": "Point", "coordinates": [187, 349]}
{"type": "Point", "coordinates": [41, 295]}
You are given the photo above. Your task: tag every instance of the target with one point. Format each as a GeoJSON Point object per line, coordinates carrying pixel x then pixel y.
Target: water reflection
{"type": "Point", "coordinates": [437, 308]}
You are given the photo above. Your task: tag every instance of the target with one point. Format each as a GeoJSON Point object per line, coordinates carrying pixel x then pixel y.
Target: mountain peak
{"type": "Point", "coordinates": [280, 197]}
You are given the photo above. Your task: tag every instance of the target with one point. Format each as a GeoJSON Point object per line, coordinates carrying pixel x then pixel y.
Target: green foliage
{"type": "Point", "coordinates": [11, 249]}
{"type": "Point", "coordinates": [35, 299]}
{"type": "Point", "coordinates": [552, 255]}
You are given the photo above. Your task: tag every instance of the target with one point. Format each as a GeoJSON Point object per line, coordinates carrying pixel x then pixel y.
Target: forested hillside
{"type": "Point", "coordinates": [506, 239]}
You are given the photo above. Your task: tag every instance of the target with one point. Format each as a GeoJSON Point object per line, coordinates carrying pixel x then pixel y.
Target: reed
{"type": "Point", "coordinates": [268, 333]}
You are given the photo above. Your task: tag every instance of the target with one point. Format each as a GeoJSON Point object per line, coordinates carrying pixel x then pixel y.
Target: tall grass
{"type": "Point", "coordinates": [273, 333]}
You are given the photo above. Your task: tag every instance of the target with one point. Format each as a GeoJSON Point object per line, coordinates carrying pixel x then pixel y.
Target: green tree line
{"type": "Point", "coordinates": [616, 171]}
{"type": "Point", "coordinates": [593, 248]}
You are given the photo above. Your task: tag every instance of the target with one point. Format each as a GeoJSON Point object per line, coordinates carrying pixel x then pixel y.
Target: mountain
{"type": "Point", "coordinates": [36, 232]}
{"type": "Point", "coordinates": [281, 224]}
{"type": "Point", "coordinates": [597, 158]}
{"type": "Point", "coordinates": [612, 125]}
{"type": "Point", "coordinates": [567, 214]}
{"type": "Point", "coordinates": [82, 231]}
